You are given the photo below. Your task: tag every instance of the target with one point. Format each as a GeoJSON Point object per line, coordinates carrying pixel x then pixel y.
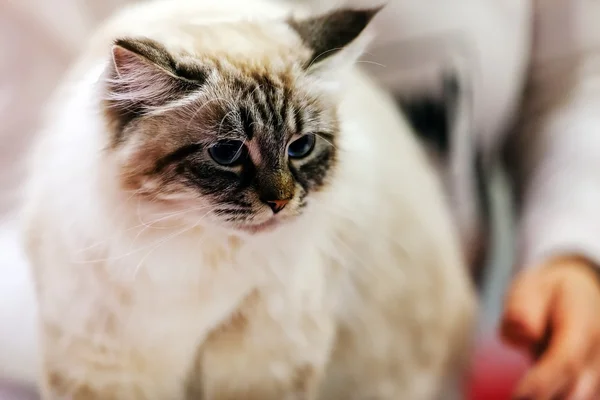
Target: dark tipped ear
{"type": "Point", "coordinates": [328, 34]}
{"type": "Point", "coordinates": [145, 72]}
{"type": "Point", "coordinates": [129, 50]}
{"type": "Point", "coordinates": [143, 75]}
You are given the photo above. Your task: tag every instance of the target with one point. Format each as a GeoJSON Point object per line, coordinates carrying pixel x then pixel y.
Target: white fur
{"type": "Point", "coordinates": [18, 310]}
{"type": "Point", "coordinates": [383, 220]}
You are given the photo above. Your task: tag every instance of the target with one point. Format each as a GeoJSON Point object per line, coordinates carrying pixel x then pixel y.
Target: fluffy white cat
{"type": "Point", "coordinates": [221, 206]}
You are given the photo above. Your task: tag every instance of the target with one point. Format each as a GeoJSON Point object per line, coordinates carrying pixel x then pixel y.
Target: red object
{"type": "Point", "coordinates": [496, 371]}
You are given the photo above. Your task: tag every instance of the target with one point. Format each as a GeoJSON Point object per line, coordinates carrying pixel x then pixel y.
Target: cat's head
{"type": "Point", "coordinates": [241, 129]}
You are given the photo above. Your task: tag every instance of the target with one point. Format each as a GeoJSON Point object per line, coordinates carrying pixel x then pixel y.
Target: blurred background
{"type": "Point", "coordinates": [39, 38]}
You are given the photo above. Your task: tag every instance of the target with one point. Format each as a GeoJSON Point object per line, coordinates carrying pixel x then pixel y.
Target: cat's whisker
{"type": "Point", "coordinates": [327, 141]}
{"type": "Point", "coordinates": [258, 87]}
{"type": "Point", "coordinates": [187, 101]}
{"type": "Point", "coordinates": [197, 111]}
{"type": "Point", "coordinates": [315, 59]}
{"type": "Point", "coordinates": [370, 62]}
{"type": "Point", "coordinates": [258, 123]}
{"type": "Point", "coordinates": [234, 111]}
{"type": "Point", "coordinates": [164, 217]}
{"type": "Point", "coordinates": [118, 209]}
{"type": "Point", "coordinates": [149, 226]}
{"type": "Point", "coordinates": [131, 173]}
{"type": "Point", "coordinates": [132, 251]}
{"type": "Point", "coordinates": [165, 240]}
{"type": "Point", "coordinates": [298, 110]}
{"type": "Point", "coordinates": [156, 246]}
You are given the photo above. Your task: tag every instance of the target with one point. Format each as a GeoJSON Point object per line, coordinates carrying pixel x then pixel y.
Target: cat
{"type": "Point", "coordinates": [221, 205]}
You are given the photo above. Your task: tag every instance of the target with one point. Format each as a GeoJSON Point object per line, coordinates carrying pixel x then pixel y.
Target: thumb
{"type": "Point", "coordinates": [526, 311]}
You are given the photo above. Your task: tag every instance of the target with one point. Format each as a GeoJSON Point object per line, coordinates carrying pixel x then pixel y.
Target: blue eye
{"type": "Point", "coordinates": [302, 147]}
{"type": "Point", "coordinates": [227, 152]}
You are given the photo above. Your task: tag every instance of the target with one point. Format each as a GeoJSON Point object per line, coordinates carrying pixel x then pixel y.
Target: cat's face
{"type": "Point", "coordinates": [243, 142]}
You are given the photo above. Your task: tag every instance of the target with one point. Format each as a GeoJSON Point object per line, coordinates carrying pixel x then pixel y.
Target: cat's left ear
{"type": "Point", "coordinates": [144, 72]}
{"type": "Point", "coordinates": [143, 76]}
{"type": "Point", "coordinates": [332, 38]}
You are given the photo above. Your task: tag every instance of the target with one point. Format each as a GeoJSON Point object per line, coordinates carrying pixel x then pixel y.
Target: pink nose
{"type": "Point", "coordinates": [277, 205]}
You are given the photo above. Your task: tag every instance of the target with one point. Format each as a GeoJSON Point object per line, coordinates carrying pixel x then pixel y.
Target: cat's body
{"type": "Point", "coordinates": [361, 294]}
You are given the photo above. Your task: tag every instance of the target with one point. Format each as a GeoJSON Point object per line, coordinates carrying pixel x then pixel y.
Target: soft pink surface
{"type": "Point", "coordinates": [496, 371]}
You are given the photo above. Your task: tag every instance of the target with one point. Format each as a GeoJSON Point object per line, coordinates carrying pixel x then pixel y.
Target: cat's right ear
{"type": "Point", "coordinates": [143, 76]}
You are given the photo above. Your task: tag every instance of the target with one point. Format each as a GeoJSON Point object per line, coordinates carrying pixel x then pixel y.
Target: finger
{"type": "Point", "coordinates": [596, 369]}
{"type": "Point", "coordinates": [565, 357]}
{"type": "Point", "coordinates": [554, 374]}
{"type": "Point", "coordinates": [526, 311]}
{"type": "Point", "coordinates": [586, 386]}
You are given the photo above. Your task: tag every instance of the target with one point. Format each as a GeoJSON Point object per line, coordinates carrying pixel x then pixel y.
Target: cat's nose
{"type": "Point", "coordinates": [277, 205]}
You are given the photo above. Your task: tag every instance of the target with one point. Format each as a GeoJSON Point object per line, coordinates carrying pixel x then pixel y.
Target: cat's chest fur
{"type": "Point", "coordinates": [205, 300]}
{"type": "Point", "coordinates": [361, 294]}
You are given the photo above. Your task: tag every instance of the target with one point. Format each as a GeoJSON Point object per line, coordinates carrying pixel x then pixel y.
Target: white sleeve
{"type": "Point", "coordinates": [558, 147]}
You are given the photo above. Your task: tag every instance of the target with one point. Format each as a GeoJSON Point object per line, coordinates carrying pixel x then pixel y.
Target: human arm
{"type": "Point", "coordinates": [553, 307]}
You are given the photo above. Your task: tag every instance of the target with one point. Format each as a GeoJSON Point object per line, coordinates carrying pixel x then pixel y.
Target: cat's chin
{"type": "Point", "coordinates": [266, 226]}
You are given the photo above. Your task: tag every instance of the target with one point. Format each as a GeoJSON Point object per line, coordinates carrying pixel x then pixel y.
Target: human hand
{"type": "Point", "coordinates": [553, 312]}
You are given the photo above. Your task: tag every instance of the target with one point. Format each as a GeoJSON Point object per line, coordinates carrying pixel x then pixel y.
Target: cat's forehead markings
{"type": "Point", "coordinates": [184, 102]}
{"type": "Point", "coordinates": [253, 41]}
